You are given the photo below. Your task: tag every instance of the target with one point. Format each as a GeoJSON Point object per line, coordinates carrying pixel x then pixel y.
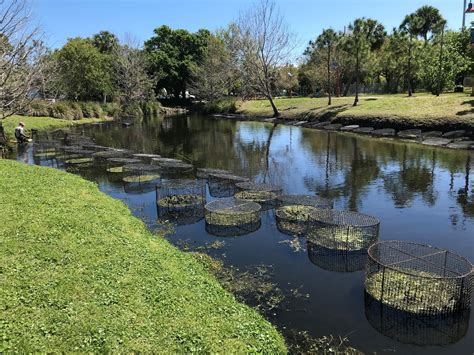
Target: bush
{"type": "Point", "coordinates": [226, 105]}
{"type": "Point", "coordinates": [152, 108]}
{"type": "Point", "coordinates": [111, 109]}
{"type": "Point", "coordinates": [459, 88]}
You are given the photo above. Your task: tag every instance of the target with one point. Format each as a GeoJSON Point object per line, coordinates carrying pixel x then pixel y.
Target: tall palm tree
{"type": "Point", "coordinates": [429, 21]}
{"type": "Point", "coordinates": [410, 26]}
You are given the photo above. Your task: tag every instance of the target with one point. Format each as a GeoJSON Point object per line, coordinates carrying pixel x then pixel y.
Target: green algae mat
{"type": "Point", "coordinates": [80, 273]}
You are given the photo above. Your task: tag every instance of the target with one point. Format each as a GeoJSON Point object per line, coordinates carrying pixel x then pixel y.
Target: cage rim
{"type": "Point", "coordinates": [224, 211]}
{"type": "Point", "coordinates": [258, 187]}
{"type": "Point", "coordinates": [407, 271]}
{"type": "Point", "coordinates": [178, 183]}
{"type": "Point", "coordinates": [374, 221]}
{"type": "Point", "coordinates": [228, 177]}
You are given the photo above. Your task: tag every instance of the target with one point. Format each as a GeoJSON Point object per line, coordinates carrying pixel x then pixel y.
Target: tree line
{"type": "Point", "coordinates": [252, 56]}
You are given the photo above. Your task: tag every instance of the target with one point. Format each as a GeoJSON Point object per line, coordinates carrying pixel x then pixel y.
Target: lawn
{"type": "Point", "coordinates": [80, 274]}
{"type": "Point", "coordinates": [42, 123]}
{"type": "Point", "coordinates": [399, 111]}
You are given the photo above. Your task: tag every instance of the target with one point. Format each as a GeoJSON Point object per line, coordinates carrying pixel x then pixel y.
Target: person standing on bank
{"type": "Point", "coordinates": [20, 135]}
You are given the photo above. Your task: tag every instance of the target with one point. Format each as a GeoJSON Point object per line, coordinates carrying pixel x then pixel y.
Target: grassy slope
{"type": "Point", "coordinates": [79, 272]}
{"type": "Point", "coordinates": [390, 110]}
{"type": "Point", "coordinates": [42, 123]}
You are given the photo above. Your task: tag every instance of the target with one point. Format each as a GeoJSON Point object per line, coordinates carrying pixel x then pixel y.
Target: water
{"type": "Point", "coordinates": [419, 193]}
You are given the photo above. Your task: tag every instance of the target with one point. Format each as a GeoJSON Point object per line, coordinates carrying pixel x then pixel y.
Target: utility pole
{"type": "Point", "coordinates": [464, 15]}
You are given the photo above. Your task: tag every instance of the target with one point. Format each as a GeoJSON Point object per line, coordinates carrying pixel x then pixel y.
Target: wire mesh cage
{"type": "Point", "coordinates": [94, 147]}
{"type": "Point", "coordinates": [45, 150]}
{"type": "Point", "coordinates": [264, 194]}
{"type": "Point", "coordinates": [160, 160]}
{"type": "Point", "coordinates": [416, 329]}
{"type": "Point", "coordinates": [203, 173]}
{"type": "Point", "coordinates": [294, 219]}
{"type": "Point", "coordinates": [181, 201]}
{"type": "Point", "coordinates": [100, 157]}
{"type": "Point", "coordinates": [224, 185]}
{"type": "Point", "coordinates": [146, 158]}
{"type": "Point", "coordinates": [174, 169]}
{"type": "Point", "coordinates": [232, 217]}
{"type": "Point", "coordinates": [304, 200]}
{"type": "Point", "coordinates": [115, 165]}
{"type": "Point", "coordinates": [343, 230]}
{"type": "Point", "coordinates": [336, 260]}
{"type": "Point", "coordinates": [418, 278]}
{"type": "Point", "coordinates": [140, 173]}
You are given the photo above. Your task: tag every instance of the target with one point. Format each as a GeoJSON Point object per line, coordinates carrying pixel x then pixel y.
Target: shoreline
{"type": "Point", "coordinates": [430, 136]}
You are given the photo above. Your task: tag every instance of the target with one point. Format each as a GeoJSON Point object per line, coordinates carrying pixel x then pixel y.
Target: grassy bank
{"type": "Point", "coordinates": [448, 111]}
{"type": "Point", "coordinates": [80, 273]}
{"type": "Point", "coordinates": [42, 123]}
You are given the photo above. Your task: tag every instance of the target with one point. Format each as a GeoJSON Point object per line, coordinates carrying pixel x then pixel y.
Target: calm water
{"type": "Point", "coordinates": [419, 194]}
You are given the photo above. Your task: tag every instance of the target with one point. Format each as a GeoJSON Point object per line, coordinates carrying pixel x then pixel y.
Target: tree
{"type": "Point", "coordinates": [85, 73]}
{"type": "Point", "coordinates": [172, 55]}
{"type": "Point", "coordinates": [212, 75]}
{"type": "Point", "coordinates": [105, 42]}
{"type": "Point", "coordinates": [327, 41]}
{"type": "Point", "coordinates": [410, 27]}
{"type": "Point", "coordinates": [133, 82]}
{"type": "Point", "coordinates": [265, 43]}
{"type": "Point", "coordinates": [429, 21]}
{"type": "Point", "coordinates": [20, 53]}
{"type": "Point", "coordinates": [365, 35]}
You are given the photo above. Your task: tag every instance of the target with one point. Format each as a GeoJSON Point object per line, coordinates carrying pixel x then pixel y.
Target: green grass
{"type": "Point", "coordinates": [80, 273]}
{"type": "Point", "coordinates": [42, 123]}
{"type": "Point", "coordinates": [399, 111]}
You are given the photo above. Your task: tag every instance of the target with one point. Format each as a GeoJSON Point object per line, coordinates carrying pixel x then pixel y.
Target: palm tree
{"type": "Point", "coordinates": [429, 21]}
{"type": "Point", "coordinates": [410, 26]}
{"type": "Point", "coordinates": [327, 40]}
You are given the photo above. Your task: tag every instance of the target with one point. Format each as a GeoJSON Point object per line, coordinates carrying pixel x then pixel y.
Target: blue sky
{"type": "Point", "coordinates": [62, 19]}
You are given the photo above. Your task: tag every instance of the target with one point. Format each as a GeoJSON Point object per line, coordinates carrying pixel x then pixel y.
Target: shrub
{"type": "Point", "coordinates": [226, 105]}
{"type": "Point", "coordinates": [111, 109]}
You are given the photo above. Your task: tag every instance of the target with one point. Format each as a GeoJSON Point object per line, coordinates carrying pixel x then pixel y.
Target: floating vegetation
{"type": "Point", "coordinates": [304, 200]}
{"type": "Point", "coordinates": [231, 217]}
{"type": "Point", "coordinates": [203, 173]}
{"type": "Point", "coordinates": [175, 168]}
{"type": "Point", "coordinates": [418, 278]}
{"type": "Point", "coordinates": [161, 160]}
{"type": "Point", "coordinates": [343, 230]}
{"type": "Point", "coordinates": [102, 156]}
{"type": "Point", "coordinates": [262, 197]}
{"type": "Point", "coordinates": [295, 244]}
{"type": "Point", "coordinates": [115, 165]}
{"type": "Point", "coordinates": [180, 201]}
{"type": "Point", "coordinates": [301, 342]}
{"type": "Point", "coordinates": [141, 178]}
{"type": "Point", "coordinates": [231, 212]}
{"type": "Point", "coordinates": [44, 154]}
{"type": "Point", "coordinates": [79, 161]}
{"type": "Point", "coordinates": [294, 219]}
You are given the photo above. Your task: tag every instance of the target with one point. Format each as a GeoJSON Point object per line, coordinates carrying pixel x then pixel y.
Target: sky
{"type": "Point", "coordinates": [63, 19]}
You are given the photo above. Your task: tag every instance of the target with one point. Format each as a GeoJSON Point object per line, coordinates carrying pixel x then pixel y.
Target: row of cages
{"type": "Point", "coordinates": [407, 277]}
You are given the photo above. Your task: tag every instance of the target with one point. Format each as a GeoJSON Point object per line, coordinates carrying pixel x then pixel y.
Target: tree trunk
{"type": "Point", "coordinates": [356, 99]}
{"type": "Point", "coordinates": [275, 110]}
{"type": "Point", "coordinates": [440, 68]}
{"type": "Point", "coordinates": [410, 90]}
{"type": "Point", "coordinates": [329, 75]}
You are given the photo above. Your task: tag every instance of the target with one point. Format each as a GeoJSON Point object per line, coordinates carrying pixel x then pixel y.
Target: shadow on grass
{"type": "Point", "coordinates": [468, 111]}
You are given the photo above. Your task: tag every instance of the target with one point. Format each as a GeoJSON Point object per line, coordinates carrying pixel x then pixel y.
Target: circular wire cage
{"type": "Point", "coordinates": [264, 194]}
{"type": "Point", "coordinates": [172, 169]}
{"type": "Point", "coordinates": [115, 165]}
{"type": "Point", "coordinates": [336, 260]}
{"type": "Point", "coordinates": [146, 158]}
{"type": "Point", "coordinates": [181, 201]}
{"type": "Point", "coordinates": [343, 230]}
{"type": "Point", "coordinates": [232, 217]}
{"type": "Point", "coordinates": [224, 185]}
{"type": "Point", "coordinates": [304, 200]}
{"type": "Point", "coordinates": [46, 150]}
{"type": "Point", "coordinates": [140, 174]}
{"type": "Point", "coordinates": [416, 329]}
{"type": "Point", "coordinates": [294, 219]}
{"type": "Point", "coordinates": [94, 147]}
{"type": "Point", "coordinates": [101, 157]}
{"type": "Point", "coordinates": [203, 173]}
{"type": "Point", "coordinates": [418, 278]}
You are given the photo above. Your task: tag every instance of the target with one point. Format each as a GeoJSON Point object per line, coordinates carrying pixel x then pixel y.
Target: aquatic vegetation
{"type": "Point", "coordinates": [140, 178]}
{"type": "Point", "coordinates": [115, 170]}
{"type": "Point", "coordinates": [340, 238]}
{"type": "Point", "coordinates": [180, 201]}
{"type": "Point", "coordinates": [294, 219]}
{"type": "Point", "coordinates": [79, 161]}
{"type": "Point", "coordinates": [256, 196]}
{"type": "Point", "coordinates": [231, 212]}
{"type": "Point", "coordinates": [412, 291]}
